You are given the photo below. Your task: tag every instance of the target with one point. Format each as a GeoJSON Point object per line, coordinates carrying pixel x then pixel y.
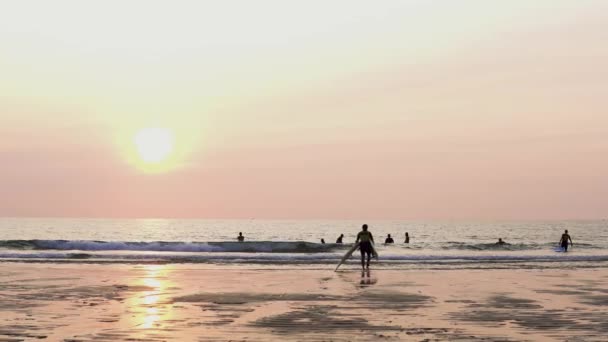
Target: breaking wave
{"type": "Point", "coordinates": [258, 246]}
{"type": "Point", "coordinates": [162, 246]}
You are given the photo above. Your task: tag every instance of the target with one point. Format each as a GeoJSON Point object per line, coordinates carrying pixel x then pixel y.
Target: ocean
{"type": "Point", "coordinates": [296, 244]}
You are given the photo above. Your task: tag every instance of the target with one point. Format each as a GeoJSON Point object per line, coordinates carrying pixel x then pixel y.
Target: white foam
{"type": "Point", "coordinates": [293, 257]}
{"type": "Point", "coordinates": [251, 247]}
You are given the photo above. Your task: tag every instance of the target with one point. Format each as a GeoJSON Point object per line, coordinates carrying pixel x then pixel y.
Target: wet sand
{"type": "Point", "coordinates": [90, 302]}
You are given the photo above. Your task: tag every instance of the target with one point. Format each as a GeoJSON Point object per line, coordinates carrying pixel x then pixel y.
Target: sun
{"type": "Point", "coordinates": [154, 145]}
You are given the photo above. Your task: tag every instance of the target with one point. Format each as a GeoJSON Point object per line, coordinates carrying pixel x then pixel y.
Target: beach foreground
{"type": "Point", "coordinates": [116, 302]}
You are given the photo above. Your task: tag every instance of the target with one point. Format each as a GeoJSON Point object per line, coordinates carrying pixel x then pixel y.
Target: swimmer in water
{"type": "Point", "coordinates": [563, 242]}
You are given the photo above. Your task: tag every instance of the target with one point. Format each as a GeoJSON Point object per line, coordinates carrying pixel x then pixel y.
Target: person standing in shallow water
{"type": "Point", "coordinates": [339, 240]}
{"type": "Point", "coordinates": [240, 238]}
{"type": "Point", "coordinates": [563, 242]}
{"type": "Point", "coordinates": [366, 239]}
{"type": "Point", "coordinates": [407, 238]}
{"type": "Point", "coordinates": [389, 239]}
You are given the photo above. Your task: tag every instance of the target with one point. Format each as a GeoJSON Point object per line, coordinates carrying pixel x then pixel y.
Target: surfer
{"type": "Point", "coordinates": [389, 239]}
{"type": "Point", "coordinates": [366, 238]}
{"type": "Point", "coordinates": [323, 241]}
{"type": "Point", "coordinates": [500, 242]}
{"type": "Point", "coordinates": [241, 238]}
{"type": "Point", "coordinates": [564, 241]}
{"type": "Point", "coordinates": [407, 238]}
{"type": "Point", "coordinates": [339, 240]}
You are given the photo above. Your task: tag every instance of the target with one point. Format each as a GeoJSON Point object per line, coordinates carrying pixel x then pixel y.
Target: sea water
{"type": "Point", "coordinates": [298, 243]}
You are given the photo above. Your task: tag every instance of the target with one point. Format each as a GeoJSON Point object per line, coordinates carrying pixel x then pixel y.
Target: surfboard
{"type": "Point", "coordinates": [347, 255]}
{"type": "Point", "coordinates": [350, 253]}
{"type": "Point", "coordinates": [374, 253]}
{"type": "Point", "coordinates": [560, 249]}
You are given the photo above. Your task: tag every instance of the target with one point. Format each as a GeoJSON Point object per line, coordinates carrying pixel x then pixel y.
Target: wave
{"type": "Point", "coordinates": [258, 246]}
{"type": "Point", "coordinates": [455, 245]}
{"type": "Point", "coordinates": [162, 246]}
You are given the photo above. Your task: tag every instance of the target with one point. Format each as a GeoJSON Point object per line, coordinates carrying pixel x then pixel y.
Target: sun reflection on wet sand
{"type": "Point", "coordinates": [149, 310]}
{"type": "Point", "coordinates": [155, 283]}
{"type": "Point", "coordinates": [150, 319]}
{"type": "Point", "coordinates": [150, 300]}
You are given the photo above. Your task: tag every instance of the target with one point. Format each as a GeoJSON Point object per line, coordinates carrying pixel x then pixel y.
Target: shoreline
{"type": "Point", "coordinates": [192, 302]}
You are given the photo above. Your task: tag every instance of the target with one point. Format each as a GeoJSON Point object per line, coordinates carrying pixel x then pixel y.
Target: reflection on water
{"type": "Point", "coordinates": [148, 310]}
{"type": "Point", "coordinates": [150, 318]}
{"type": "Point", "coordinates": [150, 300]}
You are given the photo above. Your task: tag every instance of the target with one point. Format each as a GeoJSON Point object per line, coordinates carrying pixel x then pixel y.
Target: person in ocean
{"type": "Point", "coordinates": [500, 242]}
{"type": "Point", "coordinates": [366, 239]}
{"type": "Point", "coordinates": [323, 241]}
{"type": "Point", "coordinates": [389, 239]}
{"type": "Point", "coordinates": [339, 240]}
{"type": "Point", "coordinates": [407, 238]}
{"type": "Point", "coordinates": [563, 242]}
{"type": "Point", "coordinates": [241, 238]}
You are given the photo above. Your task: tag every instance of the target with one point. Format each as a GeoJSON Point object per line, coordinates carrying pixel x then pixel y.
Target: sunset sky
{"type": "Point", "coordinates": [304, 109]}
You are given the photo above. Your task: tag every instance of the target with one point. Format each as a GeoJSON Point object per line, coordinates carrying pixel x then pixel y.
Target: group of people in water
{"type": "Point", "coordinates": [365, 239]}
{"type": "Point", "coordinates": [563, 241]}
{"type": "Point", "coordinates": [388, 239]}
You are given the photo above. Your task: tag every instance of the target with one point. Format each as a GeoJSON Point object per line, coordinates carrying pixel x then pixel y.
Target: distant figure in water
{"type": "Point", "coordinates": [323, 241]}
{"type": "Point", "coordinates": [366, 238]}
{"type": "Point", "coordinates": [241, 238]}
{"type": "Point", "coordinates": [500, 242]}
{"type": "Point", "coordinates": [563, 242]}
{"type": "Point", "coordinates": [389, 239]}
{"type": "Point", "coordinates": [339, 240]}
{"type": "Point", "coordinates": [407, 238]}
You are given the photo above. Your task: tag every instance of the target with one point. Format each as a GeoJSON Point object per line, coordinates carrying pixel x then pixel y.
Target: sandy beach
{"type": "Point", "coordinates": [117, 302]}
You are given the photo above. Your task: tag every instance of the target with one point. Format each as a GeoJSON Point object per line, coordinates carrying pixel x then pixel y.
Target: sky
{"type": "Point", "coordinates": [417, 110]}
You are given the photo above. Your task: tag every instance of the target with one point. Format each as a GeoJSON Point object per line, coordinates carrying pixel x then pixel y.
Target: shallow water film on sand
{"type": "Point", "coordinates": [75, 302]}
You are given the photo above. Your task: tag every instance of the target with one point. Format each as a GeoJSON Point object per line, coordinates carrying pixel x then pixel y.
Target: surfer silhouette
{"type": "Point", "coordinates": [564, 241]}
{"type": "Point", "coordinates": [500, 242]}
{"type": "Point", "coordinates": [407, 238]}
{"type": "Point", "coordinates": [323, 241]}
{"type": "Point", "coordinates": [339, 240]}
{"type": "Point", "coordinates": [366, 239]}
{"type": "Point", "coordinates": [240, 238]}
{"type": "Point", "coordinates": [389, 239]}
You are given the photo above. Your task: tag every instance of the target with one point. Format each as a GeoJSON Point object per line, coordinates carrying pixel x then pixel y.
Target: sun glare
{"type": "Point", "coordinates": [154, 145]}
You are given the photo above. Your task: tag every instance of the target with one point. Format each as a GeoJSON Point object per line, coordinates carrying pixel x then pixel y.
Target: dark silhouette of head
{"type": "Point", "coordinates": [566, 231]}
{"type": "Point", "coordinates": [364, 227]}
{"type": "Point", "coordinates": [406, 234]}
{"type": "Point", "coordinates": [341, 235]}
{"type": "Point", "coordinates": [389, 235]}
{"type": "Point", "coordinates": [240, 234]}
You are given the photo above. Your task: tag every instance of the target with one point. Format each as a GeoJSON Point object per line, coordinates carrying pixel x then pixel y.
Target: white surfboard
{"type": "Point", "coordinates": [350, 253]}
{"type": "Point", "coordinates": [347, 255]}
